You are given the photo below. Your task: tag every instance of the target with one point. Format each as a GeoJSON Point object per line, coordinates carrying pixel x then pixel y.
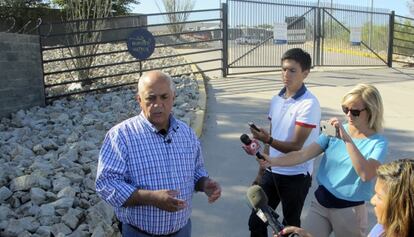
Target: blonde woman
{"type": "Point", "coordinates": [348, 166]}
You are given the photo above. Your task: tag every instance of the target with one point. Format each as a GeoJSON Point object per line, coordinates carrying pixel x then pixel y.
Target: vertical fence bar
{"type": "Point", "coordinates": [322, 36]}
{"type": "Point", "coordinates": [318, 36]}
{"type": "Point", "coordinates": [391, 39]}
{"type": "Point", "coordinates": [315, 34]}
{"type": "Point", "coordinates": [224, 20]}
{"type": "Point", "coordinates": [41, 60]}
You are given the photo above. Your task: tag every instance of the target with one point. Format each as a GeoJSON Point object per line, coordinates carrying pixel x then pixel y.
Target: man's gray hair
{"type": "Point", "coordinates": [147, 76]}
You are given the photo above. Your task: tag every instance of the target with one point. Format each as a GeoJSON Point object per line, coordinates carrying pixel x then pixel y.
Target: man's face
{"type": "Point", "coordinates": [292, 74]}
{"type": "Point", "coordinates": [156, 100]}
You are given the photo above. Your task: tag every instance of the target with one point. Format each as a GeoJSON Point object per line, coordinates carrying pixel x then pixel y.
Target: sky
{"type": "Point", "coordinates": [399, 6]}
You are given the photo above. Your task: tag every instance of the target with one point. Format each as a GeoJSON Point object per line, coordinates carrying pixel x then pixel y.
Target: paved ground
{"type": "Point", "coordinates": [234, 101]}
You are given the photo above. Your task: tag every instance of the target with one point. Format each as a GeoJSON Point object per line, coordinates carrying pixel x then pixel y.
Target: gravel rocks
{"type": "Point", "coordinates": [48, 160]}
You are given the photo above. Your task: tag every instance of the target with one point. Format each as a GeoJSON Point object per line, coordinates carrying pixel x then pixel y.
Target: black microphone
{"type": "Point", "coordinates": [245, 139]}
{"type": "Point", "coordinates": [258, 201]}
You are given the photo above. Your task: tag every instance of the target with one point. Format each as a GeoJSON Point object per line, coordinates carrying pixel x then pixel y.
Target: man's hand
{"type": "Point", "coordinates": [262, 136]}
{"type": "Point", "coordinates": [252, 148]}
{"type": "Point", "coordinates": [264, 163]}
{"type": "Point", "coordinates": [293, 229]}
{"type": "Point", "coordinates": [166, 200]}
{"type": "Point", "coordinates": [212, 189]}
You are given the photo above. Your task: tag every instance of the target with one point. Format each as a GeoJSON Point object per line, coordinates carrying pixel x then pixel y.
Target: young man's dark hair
{"type": "Point", "coordinates": [300, 56]}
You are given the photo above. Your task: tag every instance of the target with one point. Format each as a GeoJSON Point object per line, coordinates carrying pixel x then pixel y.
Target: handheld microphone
{"type": "Point", "coordinates": [258, 201]}
{"type": "Point", "coordinates": [252, 146]}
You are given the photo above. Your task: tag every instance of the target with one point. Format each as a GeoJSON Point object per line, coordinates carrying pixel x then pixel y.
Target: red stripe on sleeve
{"type": "Point", "coordinates": [305, 125]}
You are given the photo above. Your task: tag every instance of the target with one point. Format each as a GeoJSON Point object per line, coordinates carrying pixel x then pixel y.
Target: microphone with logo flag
{"type": "Point", "coordinates": [251, 147]}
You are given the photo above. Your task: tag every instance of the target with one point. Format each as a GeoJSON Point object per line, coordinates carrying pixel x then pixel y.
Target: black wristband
{"type": "Point", "coordinates": [270, 140]}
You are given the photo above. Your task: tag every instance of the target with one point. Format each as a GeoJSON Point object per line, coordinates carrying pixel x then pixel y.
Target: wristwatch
{"type": "Point", "coordinates": [270, 140]}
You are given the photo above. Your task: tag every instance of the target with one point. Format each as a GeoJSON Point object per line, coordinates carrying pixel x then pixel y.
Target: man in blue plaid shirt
{"type": "Point", "coordinates": [150, 165]}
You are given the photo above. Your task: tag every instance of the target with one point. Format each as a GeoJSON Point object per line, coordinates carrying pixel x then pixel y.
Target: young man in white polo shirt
{"type": "Point", "coordinates": [294, 123]}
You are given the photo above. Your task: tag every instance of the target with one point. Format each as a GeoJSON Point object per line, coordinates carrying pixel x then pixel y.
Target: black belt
{"type": "Point", "coordinates": [152, 235]}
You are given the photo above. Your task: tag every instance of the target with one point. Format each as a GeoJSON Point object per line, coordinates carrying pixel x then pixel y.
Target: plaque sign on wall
{"type": "Point", "coordinates": [141, 44]}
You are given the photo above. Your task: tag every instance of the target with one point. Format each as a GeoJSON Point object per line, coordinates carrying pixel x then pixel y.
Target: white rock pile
{"type": "Point", "coordinates": [48, 160]}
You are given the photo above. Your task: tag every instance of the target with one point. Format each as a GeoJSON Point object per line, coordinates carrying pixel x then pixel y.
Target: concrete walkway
{"type": "Point", "coordinates": [234, 101]}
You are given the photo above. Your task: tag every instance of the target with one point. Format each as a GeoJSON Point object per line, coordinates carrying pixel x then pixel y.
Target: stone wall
{"type": "Point", "coordinates": [21, 76]}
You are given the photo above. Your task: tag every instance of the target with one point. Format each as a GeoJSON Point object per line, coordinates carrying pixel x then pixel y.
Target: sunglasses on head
{"type": "Point", "coordinates": [354, 112]}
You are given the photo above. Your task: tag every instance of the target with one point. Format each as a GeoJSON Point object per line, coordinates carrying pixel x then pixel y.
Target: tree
{"type": "Point", "coordinates": [123, 7]}
{"type": "Point", "coordinates": [83, 15]}
{"type": "Point", "coordinates": [87, 16]}
{"type": "Point", "coordinates": [119, 7]}
{"type": "Point", "coordinates": [265, 26]}
{"type": "Point", "coordinates": [176, 20]}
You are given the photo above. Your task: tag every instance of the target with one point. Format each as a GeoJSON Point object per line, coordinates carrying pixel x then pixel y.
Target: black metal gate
{"type": "Point", "coordinates": [250, 34]}
{"type": "Point", "coordinates": [403, 40]}
{"type": "Point", "coordinates": [236, 39]}
{"type": "Point", "coordinates": [336, 48]}
{"type": "Point", "coordinates": [83, 56]}
{"type": "Point", "coordinates": [322, 31]}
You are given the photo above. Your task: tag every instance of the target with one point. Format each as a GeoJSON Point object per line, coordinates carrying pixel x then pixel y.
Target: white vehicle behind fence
{"type": "Point", "coordinates": [247, 40]}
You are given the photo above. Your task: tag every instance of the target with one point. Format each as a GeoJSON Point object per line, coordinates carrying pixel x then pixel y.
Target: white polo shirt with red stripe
{"type": "Point", "coordinates": [302, 109]}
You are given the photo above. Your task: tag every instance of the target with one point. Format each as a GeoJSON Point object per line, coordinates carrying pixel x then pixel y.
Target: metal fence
{"type": "Point", "coordinates": [250, 33]}
{"type": "Point", "coordinates": [235, 39]}
{"type": "Point", "coordinates": [336, 48]}
{"type": "Point", "coordinates": [403, 40]}
{"type": "Point", "coordinates": [91, 55]}
{"type": "Point", "coordinates": [323, 31]}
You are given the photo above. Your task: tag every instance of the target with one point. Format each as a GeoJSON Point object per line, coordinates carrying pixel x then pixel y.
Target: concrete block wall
{"type": "Point", "coordinates": [21, 76]}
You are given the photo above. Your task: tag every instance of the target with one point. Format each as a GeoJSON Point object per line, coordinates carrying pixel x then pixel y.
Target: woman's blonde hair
{"type": "Point", "coordinates": [398, 177]}
{"type": "Point", "coordinates": [373, 104]}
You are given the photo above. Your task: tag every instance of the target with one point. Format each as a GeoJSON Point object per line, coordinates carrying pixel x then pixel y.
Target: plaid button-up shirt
{"type": "Point", "coordinates": [134, 155]}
